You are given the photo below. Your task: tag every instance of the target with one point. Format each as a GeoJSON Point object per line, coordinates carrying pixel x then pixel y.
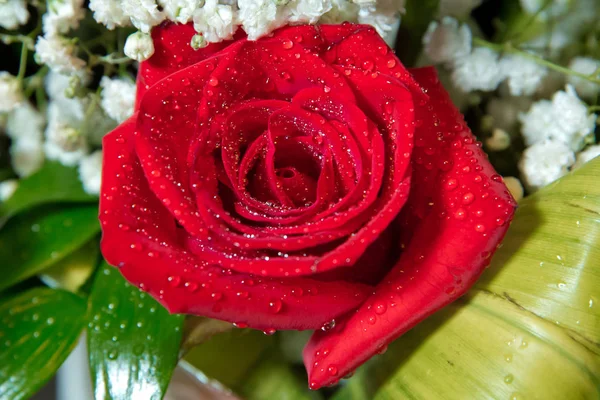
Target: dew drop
{"type": "Point", "coordinates": [380, 308]}
{"type": "Point", "coordinates": [174, 280]}
{"type": "Point", "coordinates": [275, 306]}
{"type": "Point", "coordinates": [332, 370]}
{"type": "Point", "coordinates": [287, 44]}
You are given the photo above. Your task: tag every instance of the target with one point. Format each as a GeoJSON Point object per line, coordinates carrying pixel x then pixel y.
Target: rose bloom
{"type": "Point", "coordinates": [306, 180]}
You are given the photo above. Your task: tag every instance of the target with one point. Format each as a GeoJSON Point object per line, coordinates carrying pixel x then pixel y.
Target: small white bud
{"type": "Point", "coordinates": [139, 46]}
{"type": "Point", "coordinates": [514, 187]}
{"type": "Point", "coordinates": [198, 42]}
{"type": "Point", "coordinates": [7, 188]}
{"type": "Point", "coordinates": [500, 140]}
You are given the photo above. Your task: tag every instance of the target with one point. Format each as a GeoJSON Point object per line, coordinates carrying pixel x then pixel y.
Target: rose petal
{"type": "Point", "coordinates": [141, 237]}
{"type": "Point", "coordinates": [458, 211]}
{"type": "Point", "coordinates": [172, 52]}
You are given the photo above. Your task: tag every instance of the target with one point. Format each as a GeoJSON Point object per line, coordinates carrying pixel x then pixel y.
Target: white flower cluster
{"type": "Point", "coordinates": [450, 43]}
{"type": "Point", "coordinates": [13, 13]}
{"type": "Point", "coordinates": [554, 131]}
{"type": "Point", "coordinates": [71, 127]}
{"type": "Point", "coordinates": [25, 126]}
{"type": "Point", "coordinates": [217, 20]}
{"type": "Point", "coordinates": [10, 92]}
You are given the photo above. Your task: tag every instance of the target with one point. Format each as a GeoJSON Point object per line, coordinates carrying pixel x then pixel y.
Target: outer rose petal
{"type": "Point", "coordinates": [141, 237]}
{"type": "Point", "coordinates": [458, 213]}
{"type": "Point", "coordinates": [172, 52]}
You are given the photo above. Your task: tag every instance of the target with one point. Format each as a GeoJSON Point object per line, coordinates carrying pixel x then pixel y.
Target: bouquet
{"type": "Point", "coordinates": [270, 199]}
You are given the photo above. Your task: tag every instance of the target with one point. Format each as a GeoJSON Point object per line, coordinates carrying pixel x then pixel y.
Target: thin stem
{"type": "Point", "coordinates": [509, 48]}
{"type": "Point", "coordinates": [22, 64]}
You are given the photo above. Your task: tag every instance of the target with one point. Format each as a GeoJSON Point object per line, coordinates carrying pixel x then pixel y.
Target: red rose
{"type": "Point", "coordinates": [296, 181]}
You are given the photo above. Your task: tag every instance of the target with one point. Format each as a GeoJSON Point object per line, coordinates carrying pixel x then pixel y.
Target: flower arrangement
{"type": "Point", "coordinates": [300, 199]}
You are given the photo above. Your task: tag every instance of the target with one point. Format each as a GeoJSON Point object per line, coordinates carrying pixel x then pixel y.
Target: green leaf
{"type": "Point", "coordinates": [414, 23]}
{"type": "Point", "coordinates": [74, 270]}
{"type": "Point", "coordinates": [530, 328]}
{"type": "Point", "coordinates": [38, 330]}
{"type": "Point", "coordinates": [53, 183]}
{"type": "Point", "coordinates": [549, 262]}
{"type": "Point", "coordinates": [274, 379]}
{"type": "Point", "coordinates": [132, 340]}
{"type": "Point", "coordinates": [228, 357]}
{"type": "Point", "coordinates": [483, 347]}
{"type": "Point", "coordinates": [31, 242]}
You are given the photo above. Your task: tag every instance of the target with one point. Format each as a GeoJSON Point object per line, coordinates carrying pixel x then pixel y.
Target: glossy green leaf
{"type": "Point", "coordinates": [133, 341]}
{"type": "Point", "coordinates": [74, 270]}
{"type": "Point", "coordinates": [53, 183]}
{"type": "Point", "coordinates": [228, 357]}
{"type": "Point", "coordinates": [273, 378]}
{"type": "Point", "coordinates": [530, 328]}
{"type": "Point", "coordinates": [38, 330]}
{"type": "Point", "coordinates": [33, 241]}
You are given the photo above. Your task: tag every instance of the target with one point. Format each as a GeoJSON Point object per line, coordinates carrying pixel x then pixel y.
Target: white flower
{"type": "Point", "coordinates": [384, 16]}
{"type": "Point", "coordinates": [545, 162]}
{"type": "Point", "coordinates": [259, 17]}
{"type": "Point", "coordinates": [216, 22]}
{"type": "Point", "coordinates": [10, 92]}
{"type": "Point", "coordinates": [572, 123]}
{"type": "Point", "coordinates": [514, 187]}
{"type": "Point", "coordinates": [62, 16]}
{"type": "Point", "coordinates": [65, 144]}
{"type": "Point", "coordinates": [58, 54]}
{"type": "Point", "coordinates": [109, 12]}
{"type": "Point", "coordinates": [537, 123]}
{"type": "Point", "coordinates": [144, 14]}
{"type": "Point", "coordinates": [458, 8]}
{"type": "Point", "coordinates": [587, 155]}
{"type": "Point", "coordinates": [90, 172]}
{"type": "Point", "coordinates": [544, 11]}
{"type": "Point", "coordinates": [447, 42]}
{"type": "Point", "coordinates": [139, 46]}
{"type": "Point", "coordinates": [586, 66]}
{"type": "Point", "coordinates": [341, 10]}
{"type": "Point", "coordinates": [479, 70]}
{"type": "Point", "coordinates": [500, 140]}
{"type": "Point", "coordinates": [118, 97]}
{"type": "Point", "coordinates": [65, 140]}
{"type": "Point", "coordinates": [26, 156]}
{"type": "Point", "coordinates": [180, 10]}
{"type": "Point", "coordinates": [25, 122]}
{"type": "Point", "coordinates": [13, 13]}
{"type": "Point", "coordinates": [308, 11]}
{"type": "Point", "coordinates": [61, 86]}
{"type": "Point", "coordinates": [524, 75]}
{"type": "Point", "coordinates": [7, 188]}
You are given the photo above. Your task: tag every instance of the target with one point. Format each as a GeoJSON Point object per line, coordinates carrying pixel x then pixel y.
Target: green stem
{"type": "Point", "coordinates": [22, 64]}
{"type": "Point", "coordinates": [510, 49]}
